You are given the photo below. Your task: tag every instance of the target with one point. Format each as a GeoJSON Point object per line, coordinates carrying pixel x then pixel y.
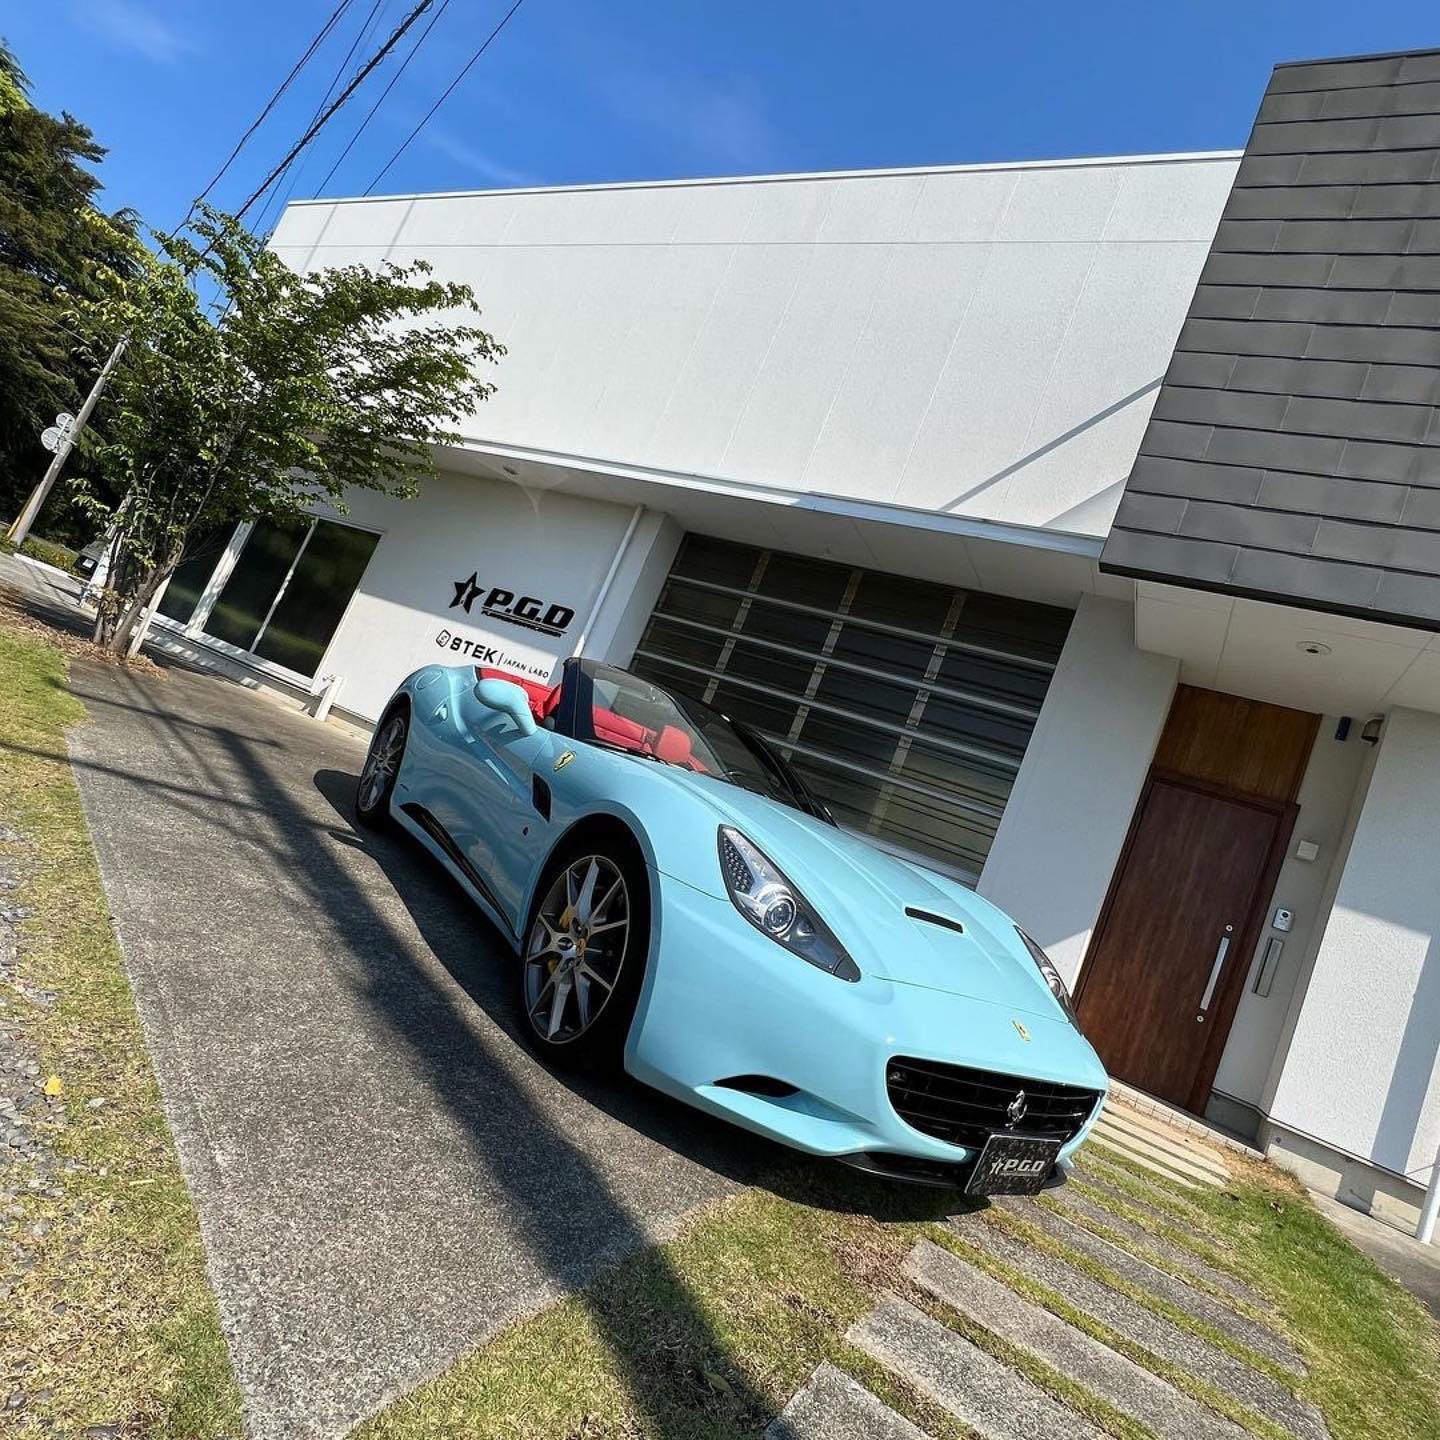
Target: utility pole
{"type": "Point", "coordinates": [26, 518]}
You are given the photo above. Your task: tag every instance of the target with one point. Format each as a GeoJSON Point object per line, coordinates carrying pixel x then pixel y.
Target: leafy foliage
{"type": "Point", "coordinates": [50, 246]}
{"type": "Point", "coordinates": [284, 390]}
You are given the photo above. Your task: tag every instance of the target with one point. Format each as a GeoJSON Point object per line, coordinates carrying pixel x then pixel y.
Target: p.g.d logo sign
{"type": "Point", "coordinates": [526, 611]}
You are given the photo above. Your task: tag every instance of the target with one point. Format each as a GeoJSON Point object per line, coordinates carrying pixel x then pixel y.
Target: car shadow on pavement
{"type": "Point", "coordinates": [568, 1216]}
{"type": "Point", "coordinates": [488, 972]}
{"type": "Point", "coordinates": [479, 960]}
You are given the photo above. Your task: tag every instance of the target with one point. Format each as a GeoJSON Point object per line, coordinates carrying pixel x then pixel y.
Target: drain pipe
{"type": "Point", "coordinates": [607, 582]}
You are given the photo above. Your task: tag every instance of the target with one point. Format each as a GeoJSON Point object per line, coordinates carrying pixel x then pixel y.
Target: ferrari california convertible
{"type": "Point", "coordinates": [682, 904]}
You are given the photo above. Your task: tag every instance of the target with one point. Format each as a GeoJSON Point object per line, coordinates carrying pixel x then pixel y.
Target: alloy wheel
{"type": "Point", "coordinates": [576, 948]}
{"type": "Point", "coordinates": [382, 763]}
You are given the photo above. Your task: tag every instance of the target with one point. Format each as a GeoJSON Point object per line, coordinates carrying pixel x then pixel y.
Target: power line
{"type": "Point", "coordinates": [316, 126]}
{"type": "Point", "coordinates": [271, 103]}
{"type": "Point", "coordinates": [362, 36]}
{"type": "Point", "coordinates": [405, 145]}
{"type": "Point", "coordinates": [380, 100]}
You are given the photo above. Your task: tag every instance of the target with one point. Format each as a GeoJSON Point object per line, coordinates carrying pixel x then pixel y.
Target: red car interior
{"type": "Point", "coordinates": [670, 744]}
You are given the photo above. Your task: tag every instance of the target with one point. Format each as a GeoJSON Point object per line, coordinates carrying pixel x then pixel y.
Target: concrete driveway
{"type": "Point", "coordinates": [385, 1177]}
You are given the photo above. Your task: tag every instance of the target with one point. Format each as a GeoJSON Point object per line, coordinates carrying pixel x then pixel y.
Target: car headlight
{"type": "Point", "coordinates": [776, 908]}
{"type": "Point", "coordinates": [1051, 976]}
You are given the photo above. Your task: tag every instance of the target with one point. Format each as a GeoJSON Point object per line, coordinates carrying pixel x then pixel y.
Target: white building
{"type": "Point", "coordinates": [845, 452]}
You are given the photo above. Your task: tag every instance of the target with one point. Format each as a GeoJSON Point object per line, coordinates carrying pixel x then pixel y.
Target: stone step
{"type": "Point", "coordinates": [1157, 1127]}
{"type": "Point", "coordinates": [1148, 1157]}
{"type": "Point", "coordinates": [1138, 1101]}
{"type": "Point", "coordinates": [1129, 1387]}
{"type": "Point", "coordinates": [974, 1386]}
{"type": "Point", "coordinates": [1141, 1326]}
{"type": "Point", "coordinates": [1165, 1208]}
{"type": "Point", "coordinates": [1145, 1277]}
{"type": "Point", "coordinates": [1077, 1205]}
{"type": "Point", "coordinates": [832, 1406]}
{"type": "Point", "coordinates": [1127, 1126]}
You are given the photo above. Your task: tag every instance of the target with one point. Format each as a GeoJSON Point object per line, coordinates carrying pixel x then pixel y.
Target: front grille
{"type": "Point", "coordinates": [965, 1107]}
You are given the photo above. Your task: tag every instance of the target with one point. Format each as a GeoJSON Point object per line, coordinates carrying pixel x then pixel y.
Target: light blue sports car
{"type": "Point", "coordinates": [680, 901]}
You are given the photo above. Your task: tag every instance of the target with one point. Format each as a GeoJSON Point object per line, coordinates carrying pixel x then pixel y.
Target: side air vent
{"type": "Point", "coordinates": [931, 918]}
{"type": "Point", "coordinates": [766, 1085]}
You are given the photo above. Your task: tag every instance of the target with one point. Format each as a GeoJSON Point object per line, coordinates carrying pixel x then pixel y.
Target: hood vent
{"type": "Point", "coordinates": [931, 918]}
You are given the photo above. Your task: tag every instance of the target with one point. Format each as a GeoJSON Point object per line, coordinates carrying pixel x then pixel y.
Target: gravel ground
{"type": "Point", "coordinates": [29, 1118]}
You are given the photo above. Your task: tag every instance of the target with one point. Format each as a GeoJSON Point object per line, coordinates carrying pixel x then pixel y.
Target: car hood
{"type": "Point", "coordinates": [863, 894]}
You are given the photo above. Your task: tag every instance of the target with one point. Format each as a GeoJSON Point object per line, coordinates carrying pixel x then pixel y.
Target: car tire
{"type": "Point", "coordinates": [592, 964]}
{"type": "Point", "coordinates": [381, 769]}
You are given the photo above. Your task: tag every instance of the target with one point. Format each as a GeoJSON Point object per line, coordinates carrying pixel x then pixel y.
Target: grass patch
{"type": "Point", "coordinates": [109, 1320]}
{"type": "Point", "coordinates": [52, 552]}
{"type": "Point", "coordinates": [711, 1334]}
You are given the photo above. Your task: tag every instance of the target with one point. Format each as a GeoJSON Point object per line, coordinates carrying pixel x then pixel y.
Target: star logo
{"type": "Point", "coordinates": [467, 592]}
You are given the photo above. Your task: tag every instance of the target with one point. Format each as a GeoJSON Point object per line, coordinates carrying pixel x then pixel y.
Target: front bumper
{"type": "Point", "coordinates": [721, 1002]}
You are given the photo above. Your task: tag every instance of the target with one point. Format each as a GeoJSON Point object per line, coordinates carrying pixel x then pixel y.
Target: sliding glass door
{"type": "Point", "coordinates": [289, 589]}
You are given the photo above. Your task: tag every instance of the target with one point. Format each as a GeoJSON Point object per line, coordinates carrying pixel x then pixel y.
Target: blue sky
{"type": "Point", "coordinates": [590, 90]}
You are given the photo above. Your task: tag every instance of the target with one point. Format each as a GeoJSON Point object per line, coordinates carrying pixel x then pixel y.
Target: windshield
{"type": "Point", "coordinates": [623, 712]}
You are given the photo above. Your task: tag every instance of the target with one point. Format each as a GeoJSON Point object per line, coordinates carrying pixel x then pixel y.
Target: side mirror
{"type": "Point", "coordinates": [509, 699]}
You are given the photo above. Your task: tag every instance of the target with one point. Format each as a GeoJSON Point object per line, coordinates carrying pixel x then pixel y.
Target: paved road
{"type": "Point", "coordinates": [385, 1177]}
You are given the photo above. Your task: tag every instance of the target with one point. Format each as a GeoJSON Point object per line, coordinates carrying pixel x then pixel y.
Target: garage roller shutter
{"type": "Point", "coordinates": [906, 705]}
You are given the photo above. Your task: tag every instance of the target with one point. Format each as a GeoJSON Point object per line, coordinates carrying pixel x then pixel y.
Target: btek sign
{"type": "Point", "coordinates": [527, 611]}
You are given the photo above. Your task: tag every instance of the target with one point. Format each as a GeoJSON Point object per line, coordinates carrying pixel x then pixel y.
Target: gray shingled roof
{"type": "Point", "coordinates": [1294, 450]}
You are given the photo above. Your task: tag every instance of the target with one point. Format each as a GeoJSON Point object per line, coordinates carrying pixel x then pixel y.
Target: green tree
{"type": "Point", "coordinates": [282, 390]}
{"type": "Point", "coordinates": [49, 249]}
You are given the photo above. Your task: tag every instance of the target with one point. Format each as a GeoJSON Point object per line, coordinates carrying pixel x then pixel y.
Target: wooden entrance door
{"type": "Point", "coordinates": [1161, 980]}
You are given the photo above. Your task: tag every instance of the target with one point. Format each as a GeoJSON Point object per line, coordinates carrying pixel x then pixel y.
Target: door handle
{"type": "Point", "coordinates": [1221, 951]}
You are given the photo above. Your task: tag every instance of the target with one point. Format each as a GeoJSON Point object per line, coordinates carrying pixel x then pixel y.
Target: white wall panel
{"type": "Point", "coordinates": [716, 214]}
{"type": "Point", "coordinates": [982, 413]}
{"type": "Point", "coordinates": [1101, 387]}
{"type": "Point", "coordinates": [783, 214]}
{"type": "Point", "coordinates": [919, 306]}
{"type": "Point", "coordinates": [641, 376]}
{"type": "Point", "coordinates": [805, 364]}
{"type": "Point", "coordinates": [716, 373]}
{"type": "Point", "coordinates": [507, 536]}
{"type": "Point", "coordinates": [1363, 1068]}
{"type": "Point", "coordinates": [1177, 202]}
{"type": "Point", "coordinates": [1069, 813]}
{"type": "Point", "coordinates": [456, 222]}
{"type": "Point", "coordinates": [1062, 204]}
{"type": "Point", "coordinates": [899, 335]}
{"type": "Point", "coordinates": [375, 224]}
{"type": "Point", "coordinates": [953, 214]}
{"type": "Point", "coordinates": [1324, 799]}
{"type": "Point", "coordinates": [299, 227]}
{"type": "Point", "coordinates": [870, 211]}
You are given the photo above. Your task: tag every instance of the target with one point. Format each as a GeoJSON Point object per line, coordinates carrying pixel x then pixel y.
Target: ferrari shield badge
{"type": "Point", "coordinates": [564, 758]}
{"type": "Point", "coordinates": [1020, 1030]}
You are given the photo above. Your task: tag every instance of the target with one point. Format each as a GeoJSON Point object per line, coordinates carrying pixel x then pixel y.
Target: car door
{"type": "Point", "coordinates": [497, 822]}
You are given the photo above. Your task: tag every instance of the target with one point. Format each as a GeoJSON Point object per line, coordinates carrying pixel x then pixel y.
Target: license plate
{"type": "Point", "coordinates": [1012, 1165]}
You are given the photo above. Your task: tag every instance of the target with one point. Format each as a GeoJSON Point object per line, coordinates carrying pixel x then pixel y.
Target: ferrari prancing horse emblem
{"type": "Point", "coordinates": [1020, 1030]}
{"type": "Point", "coordinates": [565, 757]}
{"type": "Point", "coordinates": [1015, 1110]}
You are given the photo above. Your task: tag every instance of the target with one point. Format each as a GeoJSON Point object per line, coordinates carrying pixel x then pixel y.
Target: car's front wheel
{"type": "Point", "coordinates": [382, 768]}
{"type": "Point", "coordinates": [584, 955]}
